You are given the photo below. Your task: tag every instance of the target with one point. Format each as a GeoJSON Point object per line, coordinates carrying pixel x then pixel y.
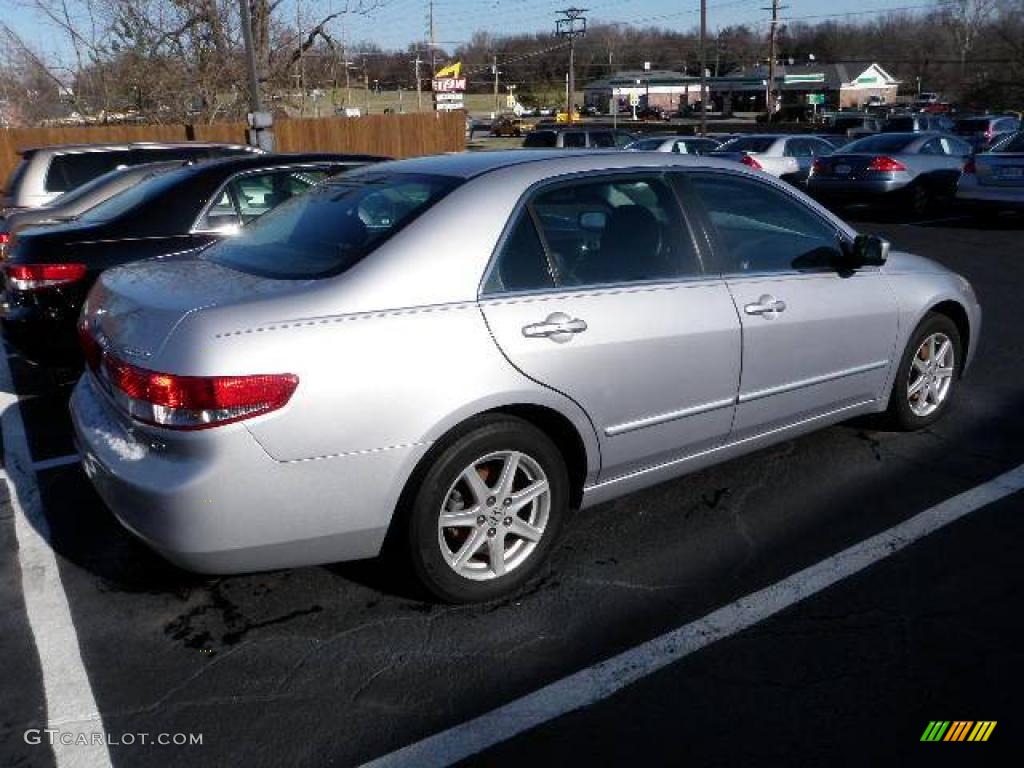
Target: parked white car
{"type": "Point", "coordinates": [786, 156]}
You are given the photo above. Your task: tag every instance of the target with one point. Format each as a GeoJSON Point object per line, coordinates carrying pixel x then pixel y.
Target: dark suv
{"type": "Point", "coordinates": [984, 131]}
{"type": "Point", "coordinates": [917, 123]}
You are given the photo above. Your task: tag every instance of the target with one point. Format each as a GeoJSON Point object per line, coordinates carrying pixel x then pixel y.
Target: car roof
{"type": "Point", "coordinates": [227, 165]}
{"type": "Point", "coordinates": [468, 165]}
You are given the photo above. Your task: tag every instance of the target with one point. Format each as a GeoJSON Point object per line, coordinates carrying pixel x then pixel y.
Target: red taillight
{"type": "Point", "coordinates": [970, 167]}
{"type": "Point", "coordinates": [185, 402]}
{"type": "Point", "coordinates": [750, 162]}
{"type": "Point", "coordinates": [28, 277]}
{"type": "Point", "coordinates": [886, 164]}
{"type": "Point", "coordinates": [818, 166]}
{"type": "Point", "coordinates": [5, 238]}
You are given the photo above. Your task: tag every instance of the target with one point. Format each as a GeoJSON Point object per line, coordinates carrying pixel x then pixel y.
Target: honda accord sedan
{"type": "Point", "coordinates": [438, 357]}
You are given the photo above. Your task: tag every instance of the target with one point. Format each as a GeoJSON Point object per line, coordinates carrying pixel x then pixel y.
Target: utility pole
{"type": "Point", "coordinates": [366, 85]}
{"type": "Point", "coordinates": [769, 97]}
{"type": "Point", "coordinates": [573, 25]}
{"type": "Point", "coordinates": [260, 134]}
{"type": "Point", "coordinates": [432, 38]}
{"type": "Point", "coordinates": [704, 67]}
{"type": "Point", "coordinates": [419, 84]}
{"type": "Point", "coordinates": [494, 68]}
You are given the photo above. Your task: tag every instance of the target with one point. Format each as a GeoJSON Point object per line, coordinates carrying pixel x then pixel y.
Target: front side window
{"type": "Point", "coordinates": [615, 230]}
{"type": "Point", "coordinates": [333, 226]}
{"type": "Point", "coordinates": [933, 147]}
{"type": "Point", "coordinates": [602, 140]}
{"type": "Point", "coordinates": [540, 139]}
{"type": "Point", "coordinates": [257, 193]}
{"type": "Point", "coordinates": [762, 228]}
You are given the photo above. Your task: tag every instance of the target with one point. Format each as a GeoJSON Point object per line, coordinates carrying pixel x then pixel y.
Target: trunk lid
{"type": "Point", "coordinates": [845, 166]}
{"type": "Point", "coordinates": [137, 307]}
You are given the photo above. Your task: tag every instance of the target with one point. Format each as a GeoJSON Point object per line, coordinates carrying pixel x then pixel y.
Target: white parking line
{"type": "Point", "coordinates": [70, 705]}
{"type": "Point", "coordinates": [606, 678]}
{"type": "Point", "coordinates": [57, 461]}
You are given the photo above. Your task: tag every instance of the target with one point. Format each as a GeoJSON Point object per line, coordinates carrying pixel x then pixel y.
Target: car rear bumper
{"type": "Point", "coordinates": [41, 335]}
{"type": "Point", "coordinates": [215, 502]}
{"type": "Point", "coordinates": [854, 188]}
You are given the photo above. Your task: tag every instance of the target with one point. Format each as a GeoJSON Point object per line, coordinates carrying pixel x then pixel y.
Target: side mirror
{"type": "Point", "coordinates": [869, 251]}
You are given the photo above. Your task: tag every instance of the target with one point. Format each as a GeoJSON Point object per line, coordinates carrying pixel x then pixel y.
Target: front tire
{"type": "Point", "coordinates": [487, 511]}
{"type": "Point", "coordinates": [928, 375]}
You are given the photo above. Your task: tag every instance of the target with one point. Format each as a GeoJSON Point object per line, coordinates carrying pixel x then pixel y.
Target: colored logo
{"type": "Point", "coordinates": [958, 730]}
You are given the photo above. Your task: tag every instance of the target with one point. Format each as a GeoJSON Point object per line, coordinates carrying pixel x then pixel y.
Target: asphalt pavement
{"type": "Point", "coordinates": [338, 665]}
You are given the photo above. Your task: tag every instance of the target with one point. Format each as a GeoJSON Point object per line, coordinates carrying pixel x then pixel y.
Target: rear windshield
{"type": "Point", "coordinates": [327, 230]}
{"type": "Point", "coordinates": [135, 195]}
{"type": "Point", "coordinates": [979, 125]}
{"type": "Point", "coordinates": [881, 143]}
{"type": "Point", "coordinates": [752, 144]}
{"type": "Point", "coordinates": [1014, 144]}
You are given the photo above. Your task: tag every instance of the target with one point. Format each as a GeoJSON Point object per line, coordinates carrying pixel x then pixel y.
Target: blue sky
{"type": "Point", "coordinates": [400, 22]}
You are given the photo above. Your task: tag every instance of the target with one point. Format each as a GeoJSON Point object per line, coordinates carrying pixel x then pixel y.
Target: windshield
{"type": "Point", "coordinates": [135, 195]}
{"type": "Point", "coordinates": [895, 142]}
{"type": "Point", "coordinates": [327, 230]}
{"type": "Point", "coordinates": [752, 144]}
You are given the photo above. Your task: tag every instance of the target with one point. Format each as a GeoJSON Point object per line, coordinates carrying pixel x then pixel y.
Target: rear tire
{"type": "Point", "coordinates": [920, 200]}
{"type": "Point", "coordinates": [928, 376]}
{"type": "Point", "coordinates": [487, 511]}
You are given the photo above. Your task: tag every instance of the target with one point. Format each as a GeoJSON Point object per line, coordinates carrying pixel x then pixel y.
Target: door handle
{"type": "Point", "coordinates": [558, 326]}
{"type": "Point", "coordinates": [766, 305]}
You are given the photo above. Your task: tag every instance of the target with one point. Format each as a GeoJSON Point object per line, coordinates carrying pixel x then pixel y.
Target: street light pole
{"type": "Point", "coordinates": [260, 124]}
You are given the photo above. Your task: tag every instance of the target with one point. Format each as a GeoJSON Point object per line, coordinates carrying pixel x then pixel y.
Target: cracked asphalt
{"type": "Point", "coordinates": [337, 665]}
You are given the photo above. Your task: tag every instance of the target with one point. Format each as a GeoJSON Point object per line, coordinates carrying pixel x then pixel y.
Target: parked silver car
{"type": "Point", "coordinates": [45, 173]}
{"type": "Point", "coordinates": [994, 181]}
{"type": "Point", "coordinates": [788, 157]}
{"type": "Point", "coordinates": [456, 349]}
{"type": "Point", "coordinates": [909, 169]}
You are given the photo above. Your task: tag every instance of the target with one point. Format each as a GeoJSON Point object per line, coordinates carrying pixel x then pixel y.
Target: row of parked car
{"type": "Point", "coordinates": [915, 169]}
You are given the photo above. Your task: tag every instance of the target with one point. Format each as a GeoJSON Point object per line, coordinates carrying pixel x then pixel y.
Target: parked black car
{"type": "Point", "coordinates": [73, 204]}
{"type": "Point", "coordinates": [51, 269]}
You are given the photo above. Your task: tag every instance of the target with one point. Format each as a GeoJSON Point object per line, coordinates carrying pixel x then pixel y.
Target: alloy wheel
{"type": "Point", "coordinates": [494, 515]}
{"type": "Point", "coordinates": [931, 374]}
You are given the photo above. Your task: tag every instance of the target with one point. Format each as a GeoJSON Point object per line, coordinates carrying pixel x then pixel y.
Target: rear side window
{"type": "Point", "coordinates": [522, 264]}
{"type": "Point", "coordinates": [574, 139]}
{"type": "Point", "coordinates": [762, 228]}
{"type": "Point", "coordinates": [602, 140]}
{"type": "Point", "coordinates": [72, 170]}
{"type": "Point", "coordinates": [336, 224]}
{"type": "Point", "coordinates": [1016, 144]}
{"type": "Point", "coordinates": [540, 139]}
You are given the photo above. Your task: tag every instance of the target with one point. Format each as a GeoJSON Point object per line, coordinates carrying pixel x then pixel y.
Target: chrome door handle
{"type": "Point", "coordinates": [766, 305]}
{"type": "Point", "coordinates": [558, 326]}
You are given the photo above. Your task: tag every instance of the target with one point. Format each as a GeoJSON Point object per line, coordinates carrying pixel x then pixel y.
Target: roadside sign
{"type": "Point", "coordinates": [816, 98]}
{"type": "Point", "coordinates": [634, 99]}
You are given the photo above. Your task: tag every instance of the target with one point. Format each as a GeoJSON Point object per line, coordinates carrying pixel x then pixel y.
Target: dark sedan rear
{"type": "Point", "coordinates": [50, 270]}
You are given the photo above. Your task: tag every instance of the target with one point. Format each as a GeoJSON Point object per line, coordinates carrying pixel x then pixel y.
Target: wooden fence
{"type": "Point", "coordinates": [388, 135]}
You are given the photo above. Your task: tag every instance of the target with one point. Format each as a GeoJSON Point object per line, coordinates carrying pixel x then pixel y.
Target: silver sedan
{"type": "Point", "coordinates": [994, 180]}
{"type": "Point", "coordinates": [448, 353]}
{"type": "Point", "coordinates": [909, 169]}
{"type": "Point", "coordinates": [788, 157]}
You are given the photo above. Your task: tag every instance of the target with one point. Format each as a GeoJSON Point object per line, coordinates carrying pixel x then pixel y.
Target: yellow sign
{"type": "Point", "coordinates": [452, 70]}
